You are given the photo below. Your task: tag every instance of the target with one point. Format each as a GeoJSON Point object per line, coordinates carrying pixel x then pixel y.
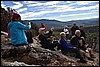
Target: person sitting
{"type": "Point", "coordinates": [17, 33]}
{"type": "Point", "coordinates": [74, 28]}
{"type": "Point", "coordinates": [44, 41]}
{"type": "Point", "coordinates": [82, 32]}
{"type": "Point", "coordinates": [66, 31]}
{"type": "Point", "coordinates": [76, 42]}
{"type": "Point", "coordinates": [43, 26]}
{"type": "Point", "coordinates": [84, 47]}
{"type": "Point", "coordinates": [66, 47]}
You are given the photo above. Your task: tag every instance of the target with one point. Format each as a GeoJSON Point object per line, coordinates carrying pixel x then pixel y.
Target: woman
{"type": "Point", "coordinates": [17, 33]}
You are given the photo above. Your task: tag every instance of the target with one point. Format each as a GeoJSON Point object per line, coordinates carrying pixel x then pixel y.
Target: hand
{"type": "Point", "coordinates": [52, 29]}
{"type": "Point", "coordinates": [29, 23]}
{"type": "Point", "coordinates": [74, 47]}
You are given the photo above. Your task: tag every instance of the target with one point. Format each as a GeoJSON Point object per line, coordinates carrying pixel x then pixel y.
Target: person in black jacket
{"type": "Point", "coordinates": [82, 32]}
{"type": "Point", "coordinates": [74, 28]}
{"type": "Point", "coordinates": [44, 39]}
{"type": "Point", "coordinates": [76, 41]}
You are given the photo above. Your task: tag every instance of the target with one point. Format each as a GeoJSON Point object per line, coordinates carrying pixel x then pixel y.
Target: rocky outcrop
{"type": "Point", "coordinates": [96, 48]}
{"type": "Point", "coordinates": [37, 56]}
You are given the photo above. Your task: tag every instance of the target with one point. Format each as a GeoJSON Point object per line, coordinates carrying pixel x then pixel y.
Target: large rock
{"type": "Point", "coordinates": [38, 56]}
{"type": "Point", "coordinates": [97, 46]}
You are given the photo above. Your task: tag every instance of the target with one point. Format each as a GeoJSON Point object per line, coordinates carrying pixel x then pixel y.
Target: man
{"type": "Point", "coordinates": [44, 39]}
{"type": "Point", "coordinates": [74, 28]}
{"type": "Point", "coordinates": [66, 47]}
{"type": "Point", "coordinates": [76, 41]}
{"type": "Point", "coordinates": [82, 32]}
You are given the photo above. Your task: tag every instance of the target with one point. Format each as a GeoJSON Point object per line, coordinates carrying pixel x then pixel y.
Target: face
{"type": "Point", "coordinates": [43, 32]}
{"type": "Point", "coordinates": [74, 25]}
{"type": "Point", "coordinates": [81, 28]}
{"type": "Point", "coordinates": [63, 35]}
{"type": "Point", "coordinates": [78, 34]}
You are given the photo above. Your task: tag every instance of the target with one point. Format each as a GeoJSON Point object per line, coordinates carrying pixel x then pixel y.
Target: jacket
{"type": "Point", "coordinates": [64, 44]}
{"type": "Point", "coordinates": [17, 33]}
{"type": "Point", "coordinates": [75, 41]}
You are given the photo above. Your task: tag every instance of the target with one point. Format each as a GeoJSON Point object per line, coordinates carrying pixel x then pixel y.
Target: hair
{"type": "Point", "coordinates": [41, 29]}
{"type": "Point", "coordinates": [77, 31]}
{"type": "Point", "coordinates": [62, 33]}
{"type": "Point", "coordinates": [81, 26]}
{"type": "Point", "coordinates": [15, 16]}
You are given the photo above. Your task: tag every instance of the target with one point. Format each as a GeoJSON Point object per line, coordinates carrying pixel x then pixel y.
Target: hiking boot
{"type": "Point", "coordinates": [83, 61]}
{"type": "Point", "coordinates": [92, 56]}
{"type": "Point", "coordinates": [89, 58]}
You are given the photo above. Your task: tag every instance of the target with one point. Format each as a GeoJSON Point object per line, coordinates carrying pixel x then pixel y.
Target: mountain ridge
{"type": "Point", "coordinates": [49, 23]}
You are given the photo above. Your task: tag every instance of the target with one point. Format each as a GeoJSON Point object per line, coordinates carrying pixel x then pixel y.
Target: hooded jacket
{"type": "Point", "coordinates": [17, 33]}
{"type": "Point", "coordinates": [65, 44]}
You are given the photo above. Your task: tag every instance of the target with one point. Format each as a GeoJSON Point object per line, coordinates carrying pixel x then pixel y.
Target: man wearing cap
{"type": "Point", "coordinates": [44, 39]}
{"type": "Point", "coordinates": [66, 47]}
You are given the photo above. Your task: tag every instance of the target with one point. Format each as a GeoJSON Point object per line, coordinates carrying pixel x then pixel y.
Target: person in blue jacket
{"type": "Point", "coordinates": [17, 33]}
{"type": "Point", "coordinates": [66, 47]}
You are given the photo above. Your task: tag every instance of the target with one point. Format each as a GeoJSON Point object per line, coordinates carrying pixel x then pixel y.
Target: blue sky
{"type": "Point", "coordinates": [58, 10]}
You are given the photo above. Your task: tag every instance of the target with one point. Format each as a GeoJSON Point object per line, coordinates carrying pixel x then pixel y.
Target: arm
{"type": "Point", "coordinates": [48, 34]}
{"type": "Point", "coordinates": [66, 44]}
{"type": "Point", "coordinates": [24, 27]}
{"type": "Point", "coordinates": [74, 41]}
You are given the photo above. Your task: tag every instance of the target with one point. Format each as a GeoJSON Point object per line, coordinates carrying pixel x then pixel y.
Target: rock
{"type": "Point", "coordinates": [39, 56]}
{"type": "Point", "coordinates": [97, 46]}
{"type": "Point", "coordinates": [15, 63]}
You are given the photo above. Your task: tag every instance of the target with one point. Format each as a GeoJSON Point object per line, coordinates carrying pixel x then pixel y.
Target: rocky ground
{"type": "Point", "coordinates": [37, 56]}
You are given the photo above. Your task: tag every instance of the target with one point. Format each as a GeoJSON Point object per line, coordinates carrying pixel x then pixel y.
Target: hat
{"type": "Point", "coordinates": [62, 33]}
{"type": "Point", "coordinates": [15, 16]}
{"type": "Point", "coordinates": [41, 29]}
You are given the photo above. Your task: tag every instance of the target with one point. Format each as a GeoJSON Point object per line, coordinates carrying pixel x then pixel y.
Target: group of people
{"type": "Point", "coordinates": [77, 43]}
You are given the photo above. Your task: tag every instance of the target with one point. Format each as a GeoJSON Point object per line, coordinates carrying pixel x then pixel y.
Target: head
{"type": "Point", "coordinates": [63, 35]}
{"type": "Point", "coordinates": [16, 17]}
{"type": "Point", "coordinates": [78, 33]}
{"type": "Point", "coordinates": [42, 24]}
{"type": "Point", "coordinates": [74, 24]}
{"type": "Point", "coordinates": [42, 31]}
{"type": "Point", "coordinates": [81, 27]}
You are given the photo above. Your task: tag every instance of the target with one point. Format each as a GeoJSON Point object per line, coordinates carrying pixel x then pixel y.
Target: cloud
{"type": "Point", "coordinates": [85, 2]}
{"type": "Point", "coordinates": [17, 6]}
{"type": "Point", "coordinates": [22, 9]}
{"type": "Point", "coordinates": [60, 9]}
{"type": "Point", "coordinates": [29, 2]}
{"type": "Point", "coordinates": [1, 1]}
{"type": "Point", "coordinates": [82, 18]}
{"type": "Point", "coordinates": [3, 6]}
{"type": "Point", "coordinates": [43, 4]}
{"type": "Point", "coordinates": [46, 9]}
{"type": "Point", "coordinates": [76, 14]}
{"type": "Point", "coordinates": [51, 3]}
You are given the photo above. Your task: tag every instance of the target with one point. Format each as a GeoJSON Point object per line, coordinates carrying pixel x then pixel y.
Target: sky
{"type": "Point", "coordinates": [54, 10]}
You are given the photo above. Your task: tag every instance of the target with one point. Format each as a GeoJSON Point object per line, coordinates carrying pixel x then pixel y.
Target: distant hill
{"type": "Point", "coordinates": [55, 23]}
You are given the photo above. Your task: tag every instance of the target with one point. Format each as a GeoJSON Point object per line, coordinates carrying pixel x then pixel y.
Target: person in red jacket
{"type": "Point", "coordinates": [43, 26]}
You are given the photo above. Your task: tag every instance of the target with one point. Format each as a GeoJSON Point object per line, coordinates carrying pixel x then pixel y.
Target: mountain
{"type": "Point", "coordinates": [56, 23]}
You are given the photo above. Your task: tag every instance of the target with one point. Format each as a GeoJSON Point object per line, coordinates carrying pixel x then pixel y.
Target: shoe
{"type": "Point", "coordinates": [92, 56]}
{"type": "Point", "coordinates": [89, 58]}
{"type": "Point", "coordinates": [83, 61]}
